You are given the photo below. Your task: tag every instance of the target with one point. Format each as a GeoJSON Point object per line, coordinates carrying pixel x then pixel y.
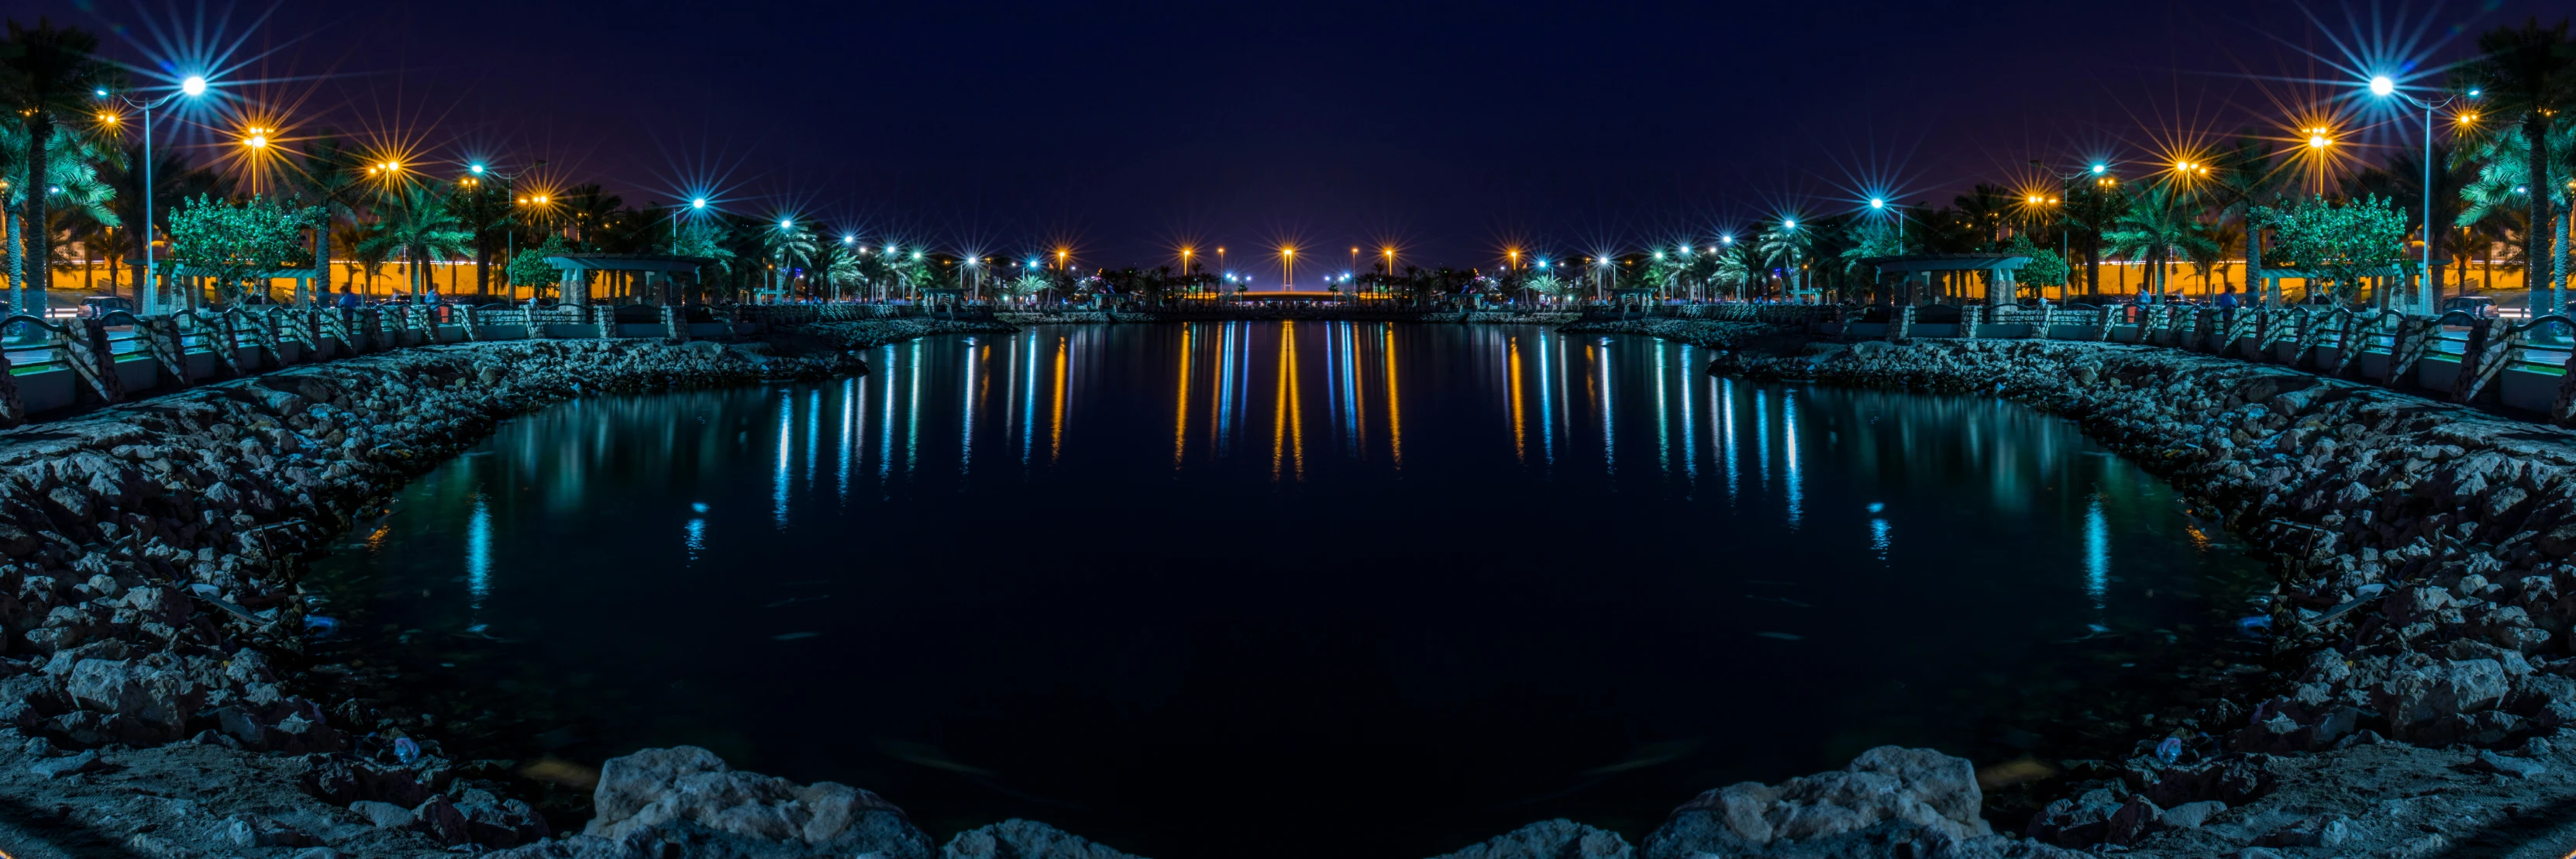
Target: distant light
{"type": "Point", "coordinates": [2474, 92]}
{"type": "Point", "coordinates": [1790, 224]}
{"type": "Point", "coordinates": [1659, 255]}
{"type": "Point", "coordinates": [2318, 141]}
{"type": "Point", "coordinates": [916, 254]}
{"type": "Point", "coordinates": [786, 223]}
{"type": "Point", "coordinates": [848, 239]}
{"type": "Point", "coordinates": [476, 169]}
{"type": "Point", "coordinates": [699, 203]}
{"type": "Point", "coordinates": [194, 85]}
{"type": "Point", "coordinates": [102, 93]}
{"type": "Point", "coordinates": [2381, 85]}
{"type": "Point", "coordinates": [2098, 168]}
{"type": "Point", "coordinates": [1876, 203]}
{"type": "Point", "coordinates": [1727, 239]}
{"type": "Point", "coordinates": [256, 141]}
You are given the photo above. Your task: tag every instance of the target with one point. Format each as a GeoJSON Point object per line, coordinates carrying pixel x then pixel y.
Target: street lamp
{"type": "Point", "coordinates": [2382, 86]}
{"type": "Point", "coordinates": [193, 86]}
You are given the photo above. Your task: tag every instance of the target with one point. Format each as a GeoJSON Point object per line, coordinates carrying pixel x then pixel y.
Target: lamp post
{"type": "Point", "coordinates": [192, 86]}
{"type": "Point", "coordinates": [2384, 87]}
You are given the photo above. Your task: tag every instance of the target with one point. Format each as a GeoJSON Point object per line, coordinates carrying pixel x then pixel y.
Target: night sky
{"type": "Point", "coordinates": [1450, 130]}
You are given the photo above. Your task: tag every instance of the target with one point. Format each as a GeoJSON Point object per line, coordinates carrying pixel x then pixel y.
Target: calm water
{"type": "Point", "coordinates": [1273, 589]}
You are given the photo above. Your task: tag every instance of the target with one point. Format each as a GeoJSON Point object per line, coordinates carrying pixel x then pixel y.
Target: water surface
{"type": "Point", "coordinates": [1277, 589]}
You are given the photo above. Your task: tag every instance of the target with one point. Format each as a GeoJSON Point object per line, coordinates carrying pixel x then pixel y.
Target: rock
{"type": "Point", "coordinates": [384, 815]}
{"type": "Point", "coordinates": [2132, 821]}
{"type": "Point", "coordinates": [2410, 698]}
{"type": "Point", "coordinates": [494, 822]}
{"type": "Point", "coordinates": [1027, 839]}
{"type": "Point", "coordinates": [2320, 831]}
{"type": "Point", "coordinates": [262, 832]}
{"type": "Point", "coordinates": [443, 823]}
{"type": "Point", "coordinates": [2080, 821]}
{"type": "Point", "coordinates": [85, 762]}
{"type": "Point", "coordinates": [1886, 794]}
{"type": "Point", "coordinates": [1553, 839]}
{"type": "Point", "coordinates": [2191, 815]}
{"type": "Point", "coordinates": [688, 790]}
{"type": "Point", "coordinates": [2489, 761]}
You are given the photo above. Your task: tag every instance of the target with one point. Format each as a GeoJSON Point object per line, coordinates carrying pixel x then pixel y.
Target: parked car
{"type": "Point", "coordinates": [2474, 305]}
{"type": "Point", "coordinates": [96, 306]}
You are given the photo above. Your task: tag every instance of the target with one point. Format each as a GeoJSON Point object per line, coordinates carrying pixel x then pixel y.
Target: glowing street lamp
{"type": "Point", "coordinates": [2384, 87]}
{"type": "Point", "coordinates": [1877, 203]}
{"type": "Point", "coordinates": [193, 86]}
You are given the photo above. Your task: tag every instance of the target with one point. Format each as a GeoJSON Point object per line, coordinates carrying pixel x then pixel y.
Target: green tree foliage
{"type": "Point", "coordinates": [235, 243]}
{"type": "Point", "coordinates": [2046, 268]}
{"type": "Point", "coordinates": [2340, 243]}
{"type": "Point", "coordinates": [529, 268]}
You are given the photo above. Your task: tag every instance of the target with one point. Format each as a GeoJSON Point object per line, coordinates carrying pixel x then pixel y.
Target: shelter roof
{"type": "Point", "coordinates": [628, 262]}
{"type": "Point", "coordinates": [1949, 262]}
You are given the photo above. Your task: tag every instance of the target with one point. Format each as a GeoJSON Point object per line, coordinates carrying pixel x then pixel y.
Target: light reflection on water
{"type": "Point", "coordinates": [1246, 573]}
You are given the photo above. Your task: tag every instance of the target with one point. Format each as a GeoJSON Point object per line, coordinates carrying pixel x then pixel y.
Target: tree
{"type": "Point", "coordinates": [47, 76]}
{"type": "Point", "coordinates": [1785, 245]}
{"type": "Point", "coordinates": [2527, 77]}
{"type": "Point", "coordinates": [529, 268]}
{"type": "Point", "coordinates": [2340, 244]}
{"type": "Point", "coordinates": [72, 183]}
{"type": "Point", "coordinates": [2402, 181]}
{"type": "Point", "coordinates": [2045, 268]}
{"type": "Point", "coordinates": [2093, 209]}
{"type": "Point", "coordinates": [419, 228]}
{"type": "Point", "coordinates": [235, 244]}
{"type": "Point", "coordinates": [2156, 226]}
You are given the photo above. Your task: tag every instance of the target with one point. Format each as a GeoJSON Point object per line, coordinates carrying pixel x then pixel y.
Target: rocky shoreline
{"type": "Point", "coordinates": [149, 556]}
{"type": "Point", "coordinates": [2420, 696]}
{"type": "Point", "coordinates": [156, 698]}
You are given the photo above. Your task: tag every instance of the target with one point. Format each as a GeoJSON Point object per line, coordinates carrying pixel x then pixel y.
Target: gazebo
{"type": "Point", "coordinates": [1919, 269]}
{"type": "Point", "coordinates": [577, 270]}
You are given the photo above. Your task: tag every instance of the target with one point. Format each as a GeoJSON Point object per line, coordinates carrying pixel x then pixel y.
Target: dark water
{"type": "Point", "coordinates": [1274, 590]}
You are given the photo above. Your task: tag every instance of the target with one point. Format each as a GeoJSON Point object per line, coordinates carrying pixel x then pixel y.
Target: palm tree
{"type": "Point", "coordinates": [2093, 209]}
{"type": "Point", "coordinates": [2403, 180]}
{"type": "Point", "coordinates": [47, 76]}
{"type": "Point", "coordinates": [365, 255]}
{"type": "Point", "coordinates": [2157, 226]}
{"type": "Point", "coordinates": [786, 245]}
{"type": "Point", "coordinates": [2246, 174]}
{"type": "Point", "coordinates": [332, 177]}
{"type": "Point", "coordinates": [418, 228]}
{"type": "Point", "coordinates": [1786, 245]}
{"type": "Point", "coordinates": [71, 180]}
{"type": "Point", "coordinates": [1984, 210]}
{"type": "Point", "coordinates": [2527, 75]}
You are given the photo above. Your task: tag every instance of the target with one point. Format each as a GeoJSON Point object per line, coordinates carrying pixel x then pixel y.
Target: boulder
{"type": "Point", "coordinates": [1029, 839]}
{"type": "Point", "coordinates": [689, 793]}
{"type": "Point", "coordinates": [2412, 697]}
{"type": "Point", "coordinates": [1553, 839]}
{"type": "Point", "coordinates": [1887, 794]}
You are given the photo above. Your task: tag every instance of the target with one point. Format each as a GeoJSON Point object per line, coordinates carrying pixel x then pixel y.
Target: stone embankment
{"type": "Point", "coordinates": [149, 555]}
{"type": "Point", "coordinates": [2423, 631]}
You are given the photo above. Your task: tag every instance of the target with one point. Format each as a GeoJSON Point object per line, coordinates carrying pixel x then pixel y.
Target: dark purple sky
{"type": "Point", "coordinates": [1449, 129]}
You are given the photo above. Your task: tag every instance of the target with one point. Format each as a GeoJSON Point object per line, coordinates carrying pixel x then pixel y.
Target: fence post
{"type": "Point", "coordinates": [1900, 328]}
{"type": "Point", "coordinates": [465, 319]}
{"type": "Point", "coordinates": [13, 411]}
{"type": "Point", "coordinates": [671, 323]}
{"type": "Point", "coordinates": [85, 345]}
{"type": "Point", "coordinates": [2476, 362]}
{"type": "Point", "coordinates": [1968, 318]}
